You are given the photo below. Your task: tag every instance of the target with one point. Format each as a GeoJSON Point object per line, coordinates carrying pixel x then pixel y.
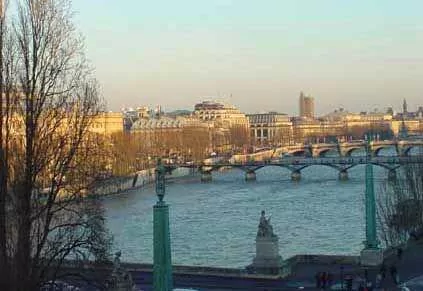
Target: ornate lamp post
{"type": "Point", "coordinates": [162, 265]}
{"type": "Point", "coordinates": [371, 255]}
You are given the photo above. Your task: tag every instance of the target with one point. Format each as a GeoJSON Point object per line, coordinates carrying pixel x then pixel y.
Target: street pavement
{"type": "Point", "coordinates": [409, 266]}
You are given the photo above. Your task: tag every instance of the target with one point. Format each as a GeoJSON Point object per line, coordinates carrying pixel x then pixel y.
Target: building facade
{"type": "Point", "coordinates": [184, 136]}
{"type": "Point", "coordinates": [270, 129]}
{"type": "Point", "coordinates": [107, 123]}
{"type": "Point", "coordinates": [222, 115]}
{"type": "Point", "coordinates": [317, 130]}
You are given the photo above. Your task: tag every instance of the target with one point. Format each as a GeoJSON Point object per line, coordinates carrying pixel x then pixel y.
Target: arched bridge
{"type": "Point", "coordinates": [296, 164]}
{"type": "Point", "coordinates": [343, 149]}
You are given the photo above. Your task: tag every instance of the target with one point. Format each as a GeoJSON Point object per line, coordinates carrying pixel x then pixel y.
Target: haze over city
{"type": "Point", "coordinates": [357, 55]}
{"type": "Point", "coordinates": [244, 145]}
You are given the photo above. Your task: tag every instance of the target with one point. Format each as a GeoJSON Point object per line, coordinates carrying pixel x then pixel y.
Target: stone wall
{"type": "Point", "coordinates": [139, 179]}
{"type": "Point", "coordinates": [322, 259]}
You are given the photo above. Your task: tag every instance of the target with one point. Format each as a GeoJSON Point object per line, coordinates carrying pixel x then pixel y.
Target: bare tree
{"type": "Point", "coordinates": [400, 206]}
{"type": "Point", "coordinates": [48, 101]}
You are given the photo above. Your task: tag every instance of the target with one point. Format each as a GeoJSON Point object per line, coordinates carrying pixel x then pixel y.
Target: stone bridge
{"type": "Point", "coordinates": [343, 149]}
{"type": "Point", "coordinates": [296, 164]}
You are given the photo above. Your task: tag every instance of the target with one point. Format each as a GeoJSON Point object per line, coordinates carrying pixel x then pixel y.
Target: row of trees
{"type": "Point", "coordinates": [48, 97]}
{"type": "Point", "coordinates": [138, 150]}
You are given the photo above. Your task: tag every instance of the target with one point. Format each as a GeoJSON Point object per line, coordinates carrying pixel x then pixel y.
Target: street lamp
{"type": "Point", "coordinates": [162, 261]}
{"type": "Point", "coordinates": [371, 255]}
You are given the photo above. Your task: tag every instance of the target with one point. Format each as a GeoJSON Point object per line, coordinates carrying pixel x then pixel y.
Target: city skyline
{"type": "Point", "coordinates": [358, 56]}
{"type": "Point", "coordinates": [163, 108]}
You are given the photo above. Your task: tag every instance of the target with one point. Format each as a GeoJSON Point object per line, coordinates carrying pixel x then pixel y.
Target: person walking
{"type": "Point", "coordinates": [383, 271]}
{"type": "Point", "coordinates": [399, 253]}
{"type": "Point", "coordinates": [378, 280]}
{"type": "Point", "coordinates": [329, 279]}
{"type": "Point", "coordinates": [394, 274]}
{"type": "Point", "coordinates": [323, 280]}
{"type": "Point", "coordinates": [317, 277]}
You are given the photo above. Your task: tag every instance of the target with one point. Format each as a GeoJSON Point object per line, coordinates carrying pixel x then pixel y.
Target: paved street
{"type": "Point", "coordinates": [302, 278]}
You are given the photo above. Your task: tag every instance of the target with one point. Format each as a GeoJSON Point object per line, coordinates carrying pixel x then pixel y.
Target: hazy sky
{"type": "Point", "coordinates": [257, 54]}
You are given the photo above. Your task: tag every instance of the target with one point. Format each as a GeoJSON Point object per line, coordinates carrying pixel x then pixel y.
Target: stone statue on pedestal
{"type": "Point", "coordinates": [120, 280]}
{"type": "Point", "coordinates": [267, 259]}
{"type": "Point", "coordinates": [264, 228]}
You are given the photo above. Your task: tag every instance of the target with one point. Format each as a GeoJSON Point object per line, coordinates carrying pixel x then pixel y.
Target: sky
{"type": "Point", "coordinates": [258, 55]}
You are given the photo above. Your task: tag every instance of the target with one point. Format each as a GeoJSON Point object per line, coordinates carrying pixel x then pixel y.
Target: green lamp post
{"type": "Point", "coordinates": [162, 265]}
{"type": "Point", "coordinates": [371, 255]}
{"type": "Point", "coordinates": [371, 239]}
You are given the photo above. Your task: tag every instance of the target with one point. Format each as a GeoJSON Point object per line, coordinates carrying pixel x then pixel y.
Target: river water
{"type": "Point", "coordinates": [215, 224]}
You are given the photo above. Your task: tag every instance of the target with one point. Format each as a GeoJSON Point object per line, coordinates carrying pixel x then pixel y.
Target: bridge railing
{"type": "Point", "coordinates": [313, 161]}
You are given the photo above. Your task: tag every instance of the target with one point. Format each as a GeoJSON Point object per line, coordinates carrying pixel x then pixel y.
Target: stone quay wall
{"type": "Point", "coordinates": [137, 180]}
{"type": "Point", "coordinates": [322, 260]}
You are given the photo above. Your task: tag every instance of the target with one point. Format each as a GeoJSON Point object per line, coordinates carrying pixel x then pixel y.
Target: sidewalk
{"type": "Point", "coordinates": [409, 266]}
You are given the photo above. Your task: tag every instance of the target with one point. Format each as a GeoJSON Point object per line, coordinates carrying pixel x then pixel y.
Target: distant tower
{"type": "Point", "coordinates": [403, 132]}
{"type": "Point", "coordinates": [306, 106]}
{"type": "Point", "coordinates": [404, 107]}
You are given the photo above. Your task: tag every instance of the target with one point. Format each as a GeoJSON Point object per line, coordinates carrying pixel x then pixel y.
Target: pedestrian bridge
{"type": "Point", "coordinates": [298, 163]}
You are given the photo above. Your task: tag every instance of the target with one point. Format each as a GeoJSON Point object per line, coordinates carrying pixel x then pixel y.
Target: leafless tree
{"type": "Point", "coordinates": [48, 99]}
{"type": "Point", "coordinates": [400, 206]}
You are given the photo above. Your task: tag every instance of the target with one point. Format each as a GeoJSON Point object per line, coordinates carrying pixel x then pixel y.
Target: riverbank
{"type": "Point", "coordinates": [137, 180]}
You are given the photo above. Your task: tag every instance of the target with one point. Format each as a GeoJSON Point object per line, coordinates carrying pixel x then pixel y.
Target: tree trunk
{"type": "Point", "coordinates": [4, 266]}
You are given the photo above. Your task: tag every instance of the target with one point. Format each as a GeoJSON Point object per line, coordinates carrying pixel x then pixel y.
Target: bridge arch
{"type": "Point", "coordinates": [241, 168]}
{"type": "Point", "coordinates": [407, 149]}
{"type": "Point", "coordinates": [348, 152]}
{"type": "Point", "coordinates": [335, 167]}
{"type": "Point", "coordinates": [378, 149]}
{"type": "Point", "coordinates": [322, 153]}
{"type": "Point", "coordinates": [298, 153]}
{"type": "Point", "coordinates": [289, 168]}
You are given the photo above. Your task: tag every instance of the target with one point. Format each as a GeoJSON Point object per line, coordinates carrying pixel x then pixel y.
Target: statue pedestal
{"type": "Point", "coordinates": [371, 257]}
{"type": "Point", "coordinates": [267, 259]}
{"type": "Point", "coordinates": [120, 280]}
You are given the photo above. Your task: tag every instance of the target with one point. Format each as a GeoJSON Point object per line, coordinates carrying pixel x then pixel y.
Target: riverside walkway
{"type": "Point", "coordinates": [303, 267]}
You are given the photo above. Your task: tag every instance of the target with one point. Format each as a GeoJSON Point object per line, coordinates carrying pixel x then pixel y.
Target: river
{"type": "Point", "coordinates": [215, 224]}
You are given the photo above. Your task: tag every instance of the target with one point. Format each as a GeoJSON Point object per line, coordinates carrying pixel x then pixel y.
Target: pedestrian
{"type": "Point", "coordinates": [378, 280]}
{"type": "Point", "coordinates": [399, 253]}
{"type": "Point", "coordinates": [394, 274]}
{"type": "Point", "coordinates": [323, 280]}
{"type": "Point", "coordinates": [383, 271]}
{"type": "Point", "coordinates": [369, 285]}
{"type": "Point", "coordinates": [317, 277]}
{"type": "Point", "coordinates": [330, 279]}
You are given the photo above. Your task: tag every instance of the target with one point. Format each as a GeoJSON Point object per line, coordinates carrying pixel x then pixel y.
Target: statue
{"type": "Point", "coordinates": [264, 228]}
{"type": "Point", "coordinates": [267, 259]}
{"type": "Point", "coordinates": [116, 262]}
{"type": "Point", "coordinates": [120, 279]}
